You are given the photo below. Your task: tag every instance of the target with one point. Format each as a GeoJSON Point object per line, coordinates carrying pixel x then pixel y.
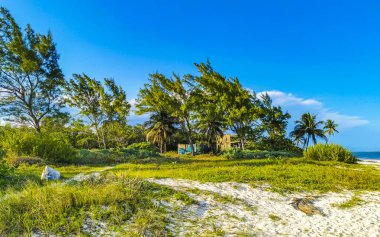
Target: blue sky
{"type": "Point", "coordinates": [317, 56]}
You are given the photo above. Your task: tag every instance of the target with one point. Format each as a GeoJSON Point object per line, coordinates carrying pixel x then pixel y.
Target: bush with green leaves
{"type": "Point", "coordinates": [233, 154]}
{"type": "Point", "coordinates": [112, 156]}
{"type": "Point", "coordinates": [5, 169]}
{"type": "Point", "coordinates": [25, 142]}
{"type": "Point", "coordinates": [63, 210]}
{"type": "Point", "coordinates": [143, 146]}
{"type": "Point", "coordinates": [329, 152]}
{"type": "Point", "coordinates": [27, 160]}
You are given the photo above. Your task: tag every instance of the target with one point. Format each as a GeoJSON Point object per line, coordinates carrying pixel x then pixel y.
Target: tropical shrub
{"type": "Point", "coordinates": [143, 146]}
{"type": "Point", "coordinates": [329, 152]}
{"type": "Point", "coordinates": [111, 200]}
{"type": "Point", "coordinates": [274, 144]}
{"type": "Point", "coordinates": [232, 154]}
{"type": "Point", "coordinates": [53, 150]}
{"type": "Point", "coordinates": [18, 160]}
{"type": "Point", "coordinates": [111, 156]}
{"type": "Point", "coordinates": [5, 169]}
{"type": "Point", "coordinates": [24, 142]}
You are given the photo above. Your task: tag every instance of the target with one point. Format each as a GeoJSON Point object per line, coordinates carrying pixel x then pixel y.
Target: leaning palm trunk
{"type": "Point", "coordinates": [189, 133]}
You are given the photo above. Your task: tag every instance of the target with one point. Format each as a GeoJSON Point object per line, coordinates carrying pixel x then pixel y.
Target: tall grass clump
{"type": "Point", "coordinates": [25, 143]}
{"type": "Point", "coordinates": [329, 152]}
{"type": "Point", "coordinates": [232, 154]}
{"type": "Point", "coordinates": [112, 156]}
{"type": "Point", "coordinates": [143, 146]}
{"type": "Point", "coordinates": [5, 170]}
{"type": "Point", "coordinates": [65, 209]}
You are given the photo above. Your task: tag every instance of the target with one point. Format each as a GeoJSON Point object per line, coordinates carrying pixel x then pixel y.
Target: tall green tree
{"type": "Point", "coordinates": [242, 111]}
{"type": "Point", "coordinates": [309, 128]}
{"type": "Point", "coordinates": [161, 127]}
{"type": "Point", "coordinates": [30, 77]}
{"type": "Point", "coordinates": [171, 95]}
{"type": "Point", "coordinates": [210, 115]}
{"type": "Point", "coordinates": [101, 105]}
{"type": "Point", "coordinates": [330, 127]}
{"type": "Point", "coordinates": [273, 120]}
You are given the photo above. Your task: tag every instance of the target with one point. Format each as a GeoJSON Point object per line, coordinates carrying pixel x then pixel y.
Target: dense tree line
{"type": "Point", "coordinates": [183, 109]}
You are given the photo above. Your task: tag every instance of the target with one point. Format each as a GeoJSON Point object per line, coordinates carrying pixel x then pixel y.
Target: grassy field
{"type": "Point", "coordinates": [287, 174]}
{"type": "Point", "coordinates": [292, 174]}
{"type": "Point", "coordinates": [123, 201]}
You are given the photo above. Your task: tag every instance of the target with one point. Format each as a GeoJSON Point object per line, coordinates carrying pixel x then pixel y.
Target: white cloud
{"type": "Point", "coordinates": [297, 106]}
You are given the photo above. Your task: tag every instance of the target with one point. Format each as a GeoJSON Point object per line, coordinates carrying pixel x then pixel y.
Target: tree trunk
{"type": "Point", "coordinates": [97, 136]}
{"type": "Point", "coordinates": [189, 133]}
{"type": "Point", "coordinates": [38, 128]}
{"type": "Point", "coordinates": [307, 142]}
{"type": "Point", "coordinates": [103, 138]}
{"type": "Point", "coordinates": [242, 144]}
{"type": "Point", "coordinates": [161, 146]}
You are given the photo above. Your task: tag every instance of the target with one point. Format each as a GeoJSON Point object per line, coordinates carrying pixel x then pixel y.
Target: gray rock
{"type": "Point", "coordinates": [50, 174]}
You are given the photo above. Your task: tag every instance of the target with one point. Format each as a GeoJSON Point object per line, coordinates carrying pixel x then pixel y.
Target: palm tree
{"type": "Point", "coordinates": [161, 128]}
{"type": "Point", "coordinates": [308, 128]}
{"type": "Point", "coordinates": [212, 129]}
{"type": "Point", "coordinates": [330, 127]}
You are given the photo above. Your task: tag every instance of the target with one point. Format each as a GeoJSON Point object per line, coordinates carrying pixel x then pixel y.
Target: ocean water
{"type": "Point", "coordinates": [367, 155]}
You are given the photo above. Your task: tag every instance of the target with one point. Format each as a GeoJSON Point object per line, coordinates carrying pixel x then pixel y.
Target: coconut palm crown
{"type": "Point", "coordinates": [308, 128]}
{"type": "Point", "coordinates": [330, 127]}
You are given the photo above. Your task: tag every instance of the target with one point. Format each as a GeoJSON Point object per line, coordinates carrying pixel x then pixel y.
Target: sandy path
{"type": "Point", "coordinates": [238, 210]}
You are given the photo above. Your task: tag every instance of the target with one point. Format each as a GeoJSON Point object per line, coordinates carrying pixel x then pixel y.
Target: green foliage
{"type": "Point", "coordinates": [113, 156]}
{"type": "Point", "coordinates": [53, 150]}
{"type": "Point", "coordinates": [30, 77]}
{"type": "Point", "coordinates": [329, 152]}
{"type": "Point", "coordinates": [273, 120]}
{"type": "Point", "coordinates": [232, 154]}
{"type": "Point", "coordinates": [161, 127]}
{"type": "Point", "coordinates": [308, 128]}
{"type": "Point", "coordinates": [352, 202]}
{"type": "Point", "coordinates": [17, 160]}
{"type": "Point", "coordinates": [64, 209]}
{"type": "Point", "coordinates": [274, 217]}
{"type": "Point", "coordinates": [330, 127]}
{"type": "Point", "coordinates": [283, 174]}
{"type": "Point", "coordinates": [276, 143]}
{"type": "Point", "coordinates": [102, 105]}
{"type": "Point", "coordinates": [173, 95]}
{"type": "Point", "coordinates": [24, 142]}
{"type": "Point", "coordinates": [142, 146]}
{"type": "Point", "coordinates": [5, 170]}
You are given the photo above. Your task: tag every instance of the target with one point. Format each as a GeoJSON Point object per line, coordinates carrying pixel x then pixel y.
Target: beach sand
{"type": "Point", "coordinates": [237, 209]}
{"type": "Point", "coordinates": [369, 162]}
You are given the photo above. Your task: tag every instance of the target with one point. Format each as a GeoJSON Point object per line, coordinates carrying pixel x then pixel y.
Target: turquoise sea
{"type": "Point", "coordinates": [367, 155]}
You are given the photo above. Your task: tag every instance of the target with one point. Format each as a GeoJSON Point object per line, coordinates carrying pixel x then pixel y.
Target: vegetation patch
{"type": "Point", "coordinates": [329, 152]}
{"type": "Point", "coordinates": [273, 217]}
{"type": "Point", "coordinates": [232, 154]}
{"type": "Point", "coordinates": [291, 174]}
{"type": "Point", "coordinates": [56, 208]}
{"type": "Point", "coordinates": [354, 201]}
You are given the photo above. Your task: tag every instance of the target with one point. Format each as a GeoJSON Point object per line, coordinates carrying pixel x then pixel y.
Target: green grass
{"type": "Point", "coordinates": [283, 174]}
{"type": "Point", "coordinates": [273, 217]}
{"type": "Point", "coordinates": [293, 174]}
{"type": "Point", "coordinates": [128, 205]}
{"type": "Point", "coordinates": [123, 204]}
{"type": "Point", "coordinates": [354, 201]}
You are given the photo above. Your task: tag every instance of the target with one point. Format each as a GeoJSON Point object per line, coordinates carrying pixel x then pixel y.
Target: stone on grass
{"type": "Point", "coordinates": [50, 174]}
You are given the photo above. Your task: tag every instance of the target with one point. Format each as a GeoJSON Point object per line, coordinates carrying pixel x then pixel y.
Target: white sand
{"type": "Point", "coordinates": [239, 210]}
{"type": "Point", "coordinates": [369, 162]}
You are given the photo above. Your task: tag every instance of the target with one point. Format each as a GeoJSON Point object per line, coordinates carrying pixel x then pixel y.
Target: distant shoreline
{"type": "Point", "coordinates": [365, 161]}
{"type": "Point", "coordinates": [367, 155]}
